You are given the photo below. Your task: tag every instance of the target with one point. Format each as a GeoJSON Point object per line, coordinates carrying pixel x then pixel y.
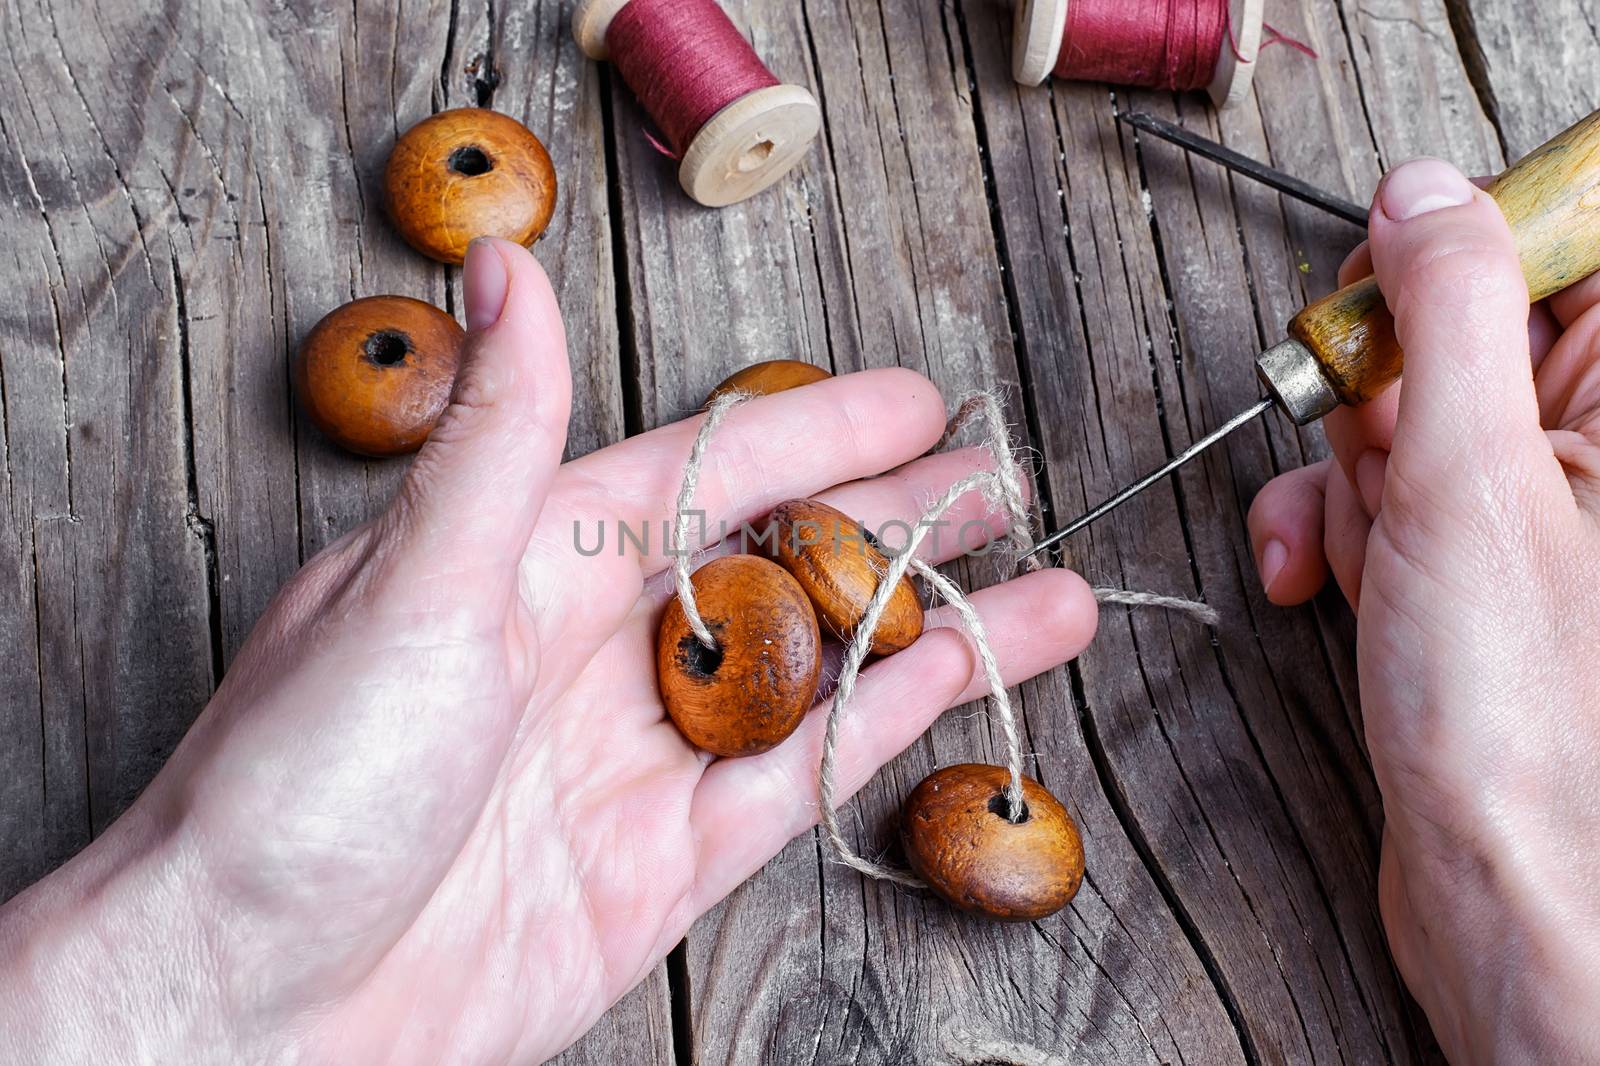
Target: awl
{"type": "Point", "coordinates": [1342, 349]}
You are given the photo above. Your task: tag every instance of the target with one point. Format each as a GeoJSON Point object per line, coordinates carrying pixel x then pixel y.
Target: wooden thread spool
{"type": "Point", "coordinates": [751, 140]}
{"type": "Point", "coordinates": [1041, 33]}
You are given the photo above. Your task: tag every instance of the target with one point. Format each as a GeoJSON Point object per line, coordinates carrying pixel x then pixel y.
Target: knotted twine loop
{"type": "Point", "coordinates": [1010, 490]}
{"type": "Point", "coordinates": [681, 552]}
{"type": "Point", "coordinates": [1004, 488]}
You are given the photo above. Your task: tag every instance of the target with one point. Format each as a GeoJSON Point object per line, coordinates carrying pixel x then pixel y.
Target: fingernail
{"type": "Point", "coordinates": [1371, 469]}
{"type": "Point", "coordinates": [484, 282]}
{"type": "Point", "coordinates": [1423, 185]}
{"type": "Point", "coordinates": [1273, 558]}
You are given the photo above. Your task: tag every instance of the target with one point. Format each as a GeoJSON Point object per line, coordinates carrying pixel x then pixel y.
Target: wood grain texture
{"type": "Point", "coordinates": [193, 185]}
{"type": "Point", "coordinates": [1526, 62]}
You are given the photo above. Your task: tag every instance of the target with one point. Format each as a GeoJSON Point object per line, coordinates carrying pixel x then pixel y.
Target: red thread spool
{"type": "Point", "coordinates": [735, 129]}
{"type": "Point", "coordinates": [1159, 44]}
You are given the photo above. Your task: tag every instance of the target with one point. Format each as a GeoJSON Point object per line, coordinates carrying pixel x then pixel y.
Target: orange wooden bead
{"type": "Point", "coordinates": [750, 692]}
{"type": "Point", "coordinates": [958, 839]}
{"type": "Point", "coordinates": [376, 374]}
{"type": "Point", "coordinates": [469, 173]}
{"type": "Point", "coordinates": [774, 375]}
{"type": "Point", "coordinates": [838, 564]}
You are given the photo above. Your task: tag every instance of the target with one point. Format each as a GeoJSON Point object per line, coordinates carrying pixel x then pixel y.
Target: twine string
{"type": "Point", "coordinates": [716, 411]}
{"type": "Point", "coordinates": [1005, 490]}
{"type": "Point", "coordinates": [685, 60]}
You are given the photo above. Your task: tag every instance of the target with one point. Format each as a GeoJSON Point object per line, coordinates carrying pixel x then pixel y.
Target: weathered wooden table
{"type": "Point", "coordinates": [189, 189]}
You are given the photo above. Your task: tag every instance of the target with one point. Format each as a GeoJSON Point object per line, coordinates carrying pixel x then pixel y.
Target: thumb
{"type": "Point", "coordinates": [1447, 264]}
{"type": "Point", "coordinates": [475, 492]}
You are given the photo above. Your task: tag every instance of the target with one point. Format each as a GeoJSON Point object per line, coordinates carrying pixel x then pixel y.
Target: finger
{"type": "Point", "coordinates": [1344, 536]}
{"type": "Point", "coordinates": [1354, 431]}
{"type": "Point", "coordinates": [1570, 304]}
{"type": "Point", "coordinates": [746, 810]}
{"type": "Point", "coordinates": [1543, 332]}
{"type": "Point", "coordinates": [1286, 524]}
{"type": "Point", "coordinates": [771, 449]}
{"type": "Point", "coordinates": [886, 506]}
{"type": "Point", "coordinates": [1356, 265]}
{"type": "Point", "coordinates": [473, 495]}
{"type": "Point", "coordinates": [1447, 264]}
{"type": "Point", "coordinates": [1569, 380]}
{"type": "Point", "coordinates": [890, 507]}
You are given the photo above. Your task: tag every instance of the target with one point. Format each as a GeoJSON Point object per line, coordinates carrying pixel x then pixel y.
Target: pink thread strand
{"type": "Point", "coordinates": [686, 61]}
{"type": "Point", "coordinates": [1279, 37]}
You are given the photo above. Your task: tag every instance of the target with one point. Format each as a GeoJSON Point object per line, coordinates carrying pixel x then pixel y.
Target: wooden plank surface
{"type": "Point", "coordinates": [192, 188]}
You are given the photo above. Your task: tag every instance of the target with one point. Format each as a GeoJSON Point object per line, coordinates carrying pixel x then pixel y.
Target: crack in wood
{"type": "Point", "coordinates": [199, 525]}
{"type": "Point", "coordinates": [1463, 26]}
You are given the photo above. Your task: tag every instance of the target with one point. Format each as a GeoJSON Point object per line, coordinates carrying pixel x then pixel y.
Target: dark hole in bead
{"type": "Point", "coordinates": [999, 807]}
{"type": "Point", "coordinates": [388, 347]}
{"type": "Point", "coordinates": [697, 659]}
{"type": "Point", "coordinates": [471, 161]}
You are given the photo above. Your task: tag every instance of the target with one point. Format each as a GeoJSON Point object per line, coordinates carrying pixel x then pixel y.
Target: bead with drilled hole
{"type": "Point", "coordinates": [774, 375]}
{"type": "Point", "coordinates": [959, 839]}
{"type": "Point", "coordinates": [468, 173]}
{"type": "Point", "coordinates": [376, 374]}
{"type": "Point", "coordinates": [747, 694]}
{"type": "Point", "coordinates": [838, 563]}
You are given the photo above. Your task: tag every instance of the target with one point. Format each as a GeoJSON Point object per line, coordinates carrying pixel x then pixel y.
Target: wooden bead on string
{"type": "Point", "coordinates": [839, 565]}
{"type": "Point", "coordinates": [772, 376]}
{"type": "Point", "coordinates": [1164, 44]}
{"type": "Point", "coordinates": [960, 838]}
{"type": "Point", "coordinates": [750, 691]}
{"type": "Point", "coordinates": [733, 127]}
{"type": "Point", "coordinates": [376, 374]}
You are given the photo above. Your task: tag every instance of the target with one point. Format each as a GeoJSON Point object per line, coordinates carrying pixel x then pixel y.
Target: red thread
{"type": "Point", "coordinates": [1279, 37]}
{"type": "Point", "coordinates": [686, 61]}
{"type": "Point", "coordinates": [1162, 44]}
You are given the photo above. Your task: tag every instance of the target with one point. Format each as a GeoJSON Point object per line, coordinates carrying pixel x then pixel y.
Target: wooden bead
{"type": "Point", "coordinates": [958, 839]}
{"type": "Point", "coordinates": [774, 375]}
{"type": "Point", "coordinates": [376, 374]}
{"type": "Point", "coordinates": [749, 693]}
{"type": "Point", "coordinates": [838, 563]}
{"type": "Point", "coordinates": [469, 173]}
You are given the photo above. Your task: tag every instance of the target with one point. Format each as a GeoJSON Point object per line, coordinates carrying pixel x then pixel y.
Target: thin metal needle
{"type": "Point", "coordinates": [1243, 164]}
{"type": "Point", "coordinates": [1247, 415]}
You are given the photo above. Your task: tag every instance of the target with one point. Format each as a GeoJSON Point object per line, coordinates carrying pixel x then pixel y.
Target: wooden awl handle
{"type": "Point", "coordinates": [1344, 350]}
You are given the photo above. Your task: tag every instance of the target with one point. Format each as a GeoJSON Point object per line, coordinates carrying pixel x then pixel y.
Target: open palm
{"type": "Point", "coordinates": [436, 812]}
